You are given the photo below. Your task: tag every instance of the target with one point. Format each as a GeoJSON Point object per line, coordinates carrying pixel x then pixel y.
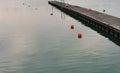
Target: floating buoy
{"type": "Point", "coordinates": [79, 35]}
{"type": "Point", "coordinates": [103, 10]}
{"type": "Point", "coordinates": [72, 26]}
{"type": "Point", "coordinates": [89, 9]}
{"type": "Point", "coordinates": [51, 13]}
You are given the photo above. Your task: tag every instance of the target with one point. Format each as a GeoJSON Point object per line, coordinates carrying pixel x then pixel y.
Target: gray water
{"type": "Point", "coordinates": [33, 41]}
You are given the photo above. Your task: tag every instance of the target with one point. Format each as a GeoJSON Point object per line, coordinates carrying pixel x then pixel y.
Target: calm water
{"type": "Point", "coordinates": [33, 41]}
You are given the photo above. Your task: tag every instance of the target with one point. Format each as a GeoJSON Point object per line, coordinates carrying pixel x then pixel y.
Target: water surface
{"type": "Point", "coordinates": [33, 41]}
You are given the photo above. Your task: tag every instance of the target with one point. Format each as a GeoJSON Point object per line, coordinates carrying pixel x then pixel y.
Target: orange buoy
{"type": "Point", "coordinates": [72, 26]}
{"type": "Point", "coordinates": [79, 35]}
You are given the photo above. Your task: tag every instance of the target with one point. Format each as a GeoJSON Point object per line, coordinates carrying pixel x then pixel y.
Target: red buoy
{"type": "Point", "coordinates": [79, 35]}
{"type": "Point", "coordinates": [72, 26]}
{"type": "Point", "coordinates": [89, 9]}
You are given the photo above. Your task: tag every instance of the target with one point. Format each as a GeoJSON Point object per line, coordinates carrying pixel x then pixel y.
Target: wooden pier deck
{"type": "Point", "coordinates": [108, 23]}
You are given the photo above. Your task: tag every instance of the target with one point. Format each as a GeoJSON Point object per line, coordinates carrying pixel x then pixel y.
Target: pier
{"type": "Point", "coordinates": [106, 23]}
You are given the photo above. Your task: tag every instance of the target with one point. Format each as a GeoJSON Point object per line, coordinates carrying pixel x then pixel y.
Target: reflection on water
{"type": "Point", "coordinates": [33, 41]}
{"type": "Point", "coordinates": [62, 15]}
